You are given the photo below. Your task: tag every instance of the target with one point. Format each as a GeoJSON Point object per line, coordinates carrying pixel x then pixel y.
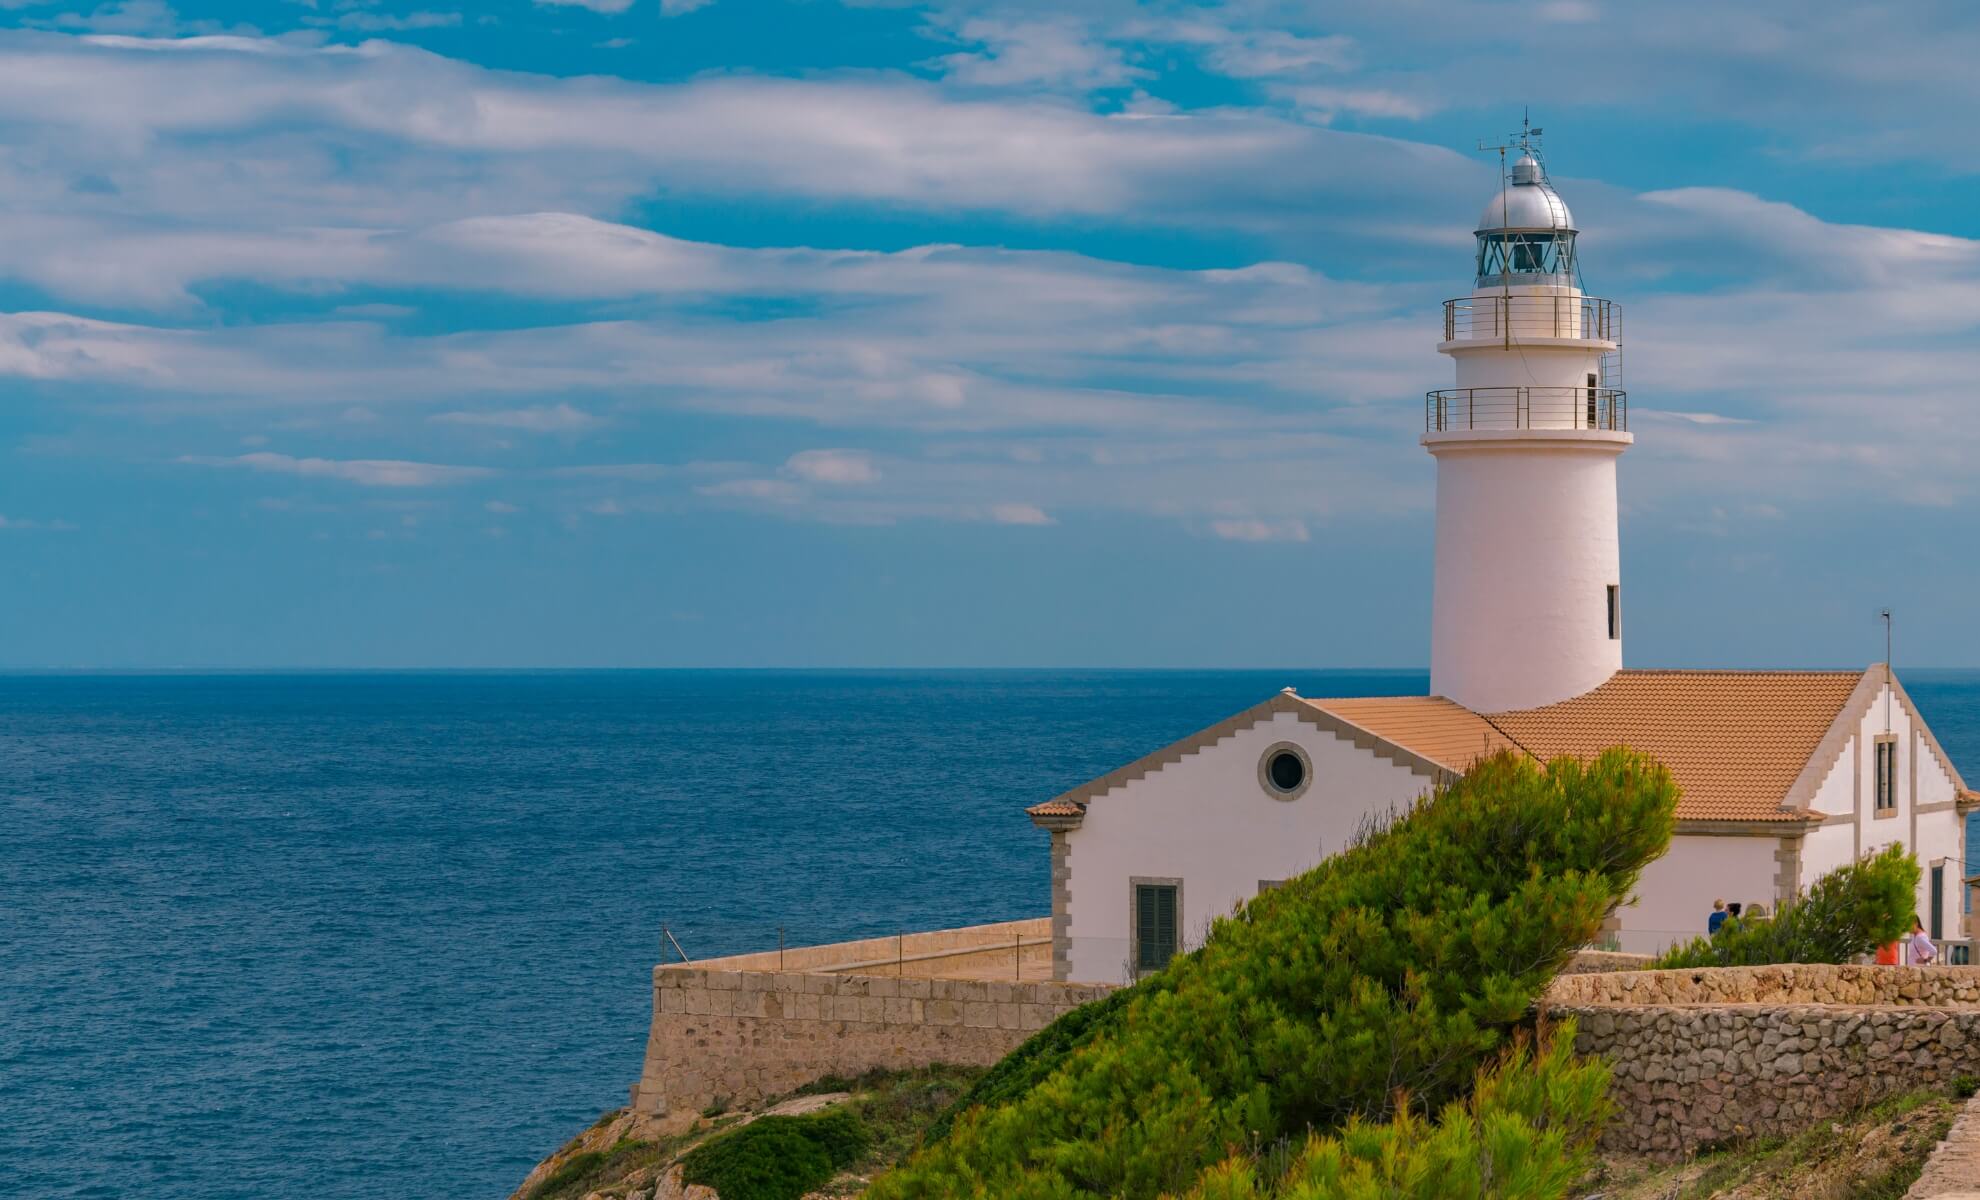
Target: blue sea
{"type": "Point", "coordinates": [388, 935]}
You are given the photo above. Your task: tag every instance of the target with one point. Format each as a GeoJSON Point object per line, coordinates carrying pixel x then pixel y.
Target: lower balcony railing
{"type": "Point", "coordinates": [1526, 408]}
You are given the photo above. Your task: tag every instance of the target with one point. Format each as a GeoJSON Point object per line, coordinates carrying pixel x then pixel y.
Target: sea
{"type": "Point", "coordinates": [343, 935]}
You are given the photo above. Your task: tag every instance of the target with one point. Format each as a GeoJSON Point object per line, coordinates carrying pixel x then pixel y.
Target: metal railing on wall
{"type": "Point", "coordinates": [1452, 409]}
{"type": "Point", "coordinates": [885, 954]}
{"type": "Point", "coordinates": [1512, 317]}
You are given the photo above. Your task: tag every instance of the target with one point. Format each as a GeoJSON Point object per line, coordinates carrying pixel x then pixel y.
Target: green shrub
{"type": "Point", "coordinates": [1371, 986]}
{"type": "Point", "coordinates": [777, 1158]}
{"type": "Point", "coordinates": [1528, 1130]}
{"type": "Point", "coordinates": [574, 1168]}
{"type": "Point", "coordinates": [1845, 915]}
{"type": "Point", "coordinates": [1041, 1054]}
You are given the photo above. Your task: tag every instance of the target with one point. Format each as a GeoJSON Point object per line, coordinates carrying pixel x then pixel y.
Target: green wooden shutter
{"type": "Point", "coordinates": [1155, 925]}
{"type": "Point", "coordinates": [1938, 902]}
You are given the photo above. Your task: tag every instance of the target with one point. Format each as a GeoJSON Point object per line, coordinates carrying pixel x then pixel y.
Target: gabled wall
{"type": "Point", "coordinates": [1923, 820]}
{"type": "Point", "coordinates": [1208, 821]}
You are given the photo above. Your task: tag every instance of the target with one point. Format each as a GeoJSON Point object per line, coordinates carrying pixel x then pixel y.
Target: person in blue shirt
{"type": "Point", "coordinates": [1717, 918]}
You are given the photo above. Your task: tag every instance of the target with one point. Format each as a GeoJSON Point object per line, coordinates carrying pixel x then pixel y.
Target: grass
{"type": "Point", "coordinates": [778, 1157]}
{"type": "Point", "coordinates": [771, 1158]}
{"type": "Point", "coordinates": [1873, 1154]}
{"type": "Point", "coordinates": [586, 1171]}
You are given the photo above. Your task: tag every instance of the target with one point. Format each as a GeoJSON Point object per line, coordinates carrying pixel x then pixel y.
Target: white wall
{"type": "Point", "coordinates": [1526, 550]}
{"type": "Point", "coordinates": [1208, 821]}
{"type": "Point", "coordinates": [1922, 780]}
{"type": "Point", "coordinates": [1674, 897]}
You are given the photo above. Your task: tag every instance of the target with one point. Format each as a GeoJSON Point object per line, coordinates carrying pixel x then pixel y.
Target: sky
{"type": "Point", "coordinates": [624, 333]}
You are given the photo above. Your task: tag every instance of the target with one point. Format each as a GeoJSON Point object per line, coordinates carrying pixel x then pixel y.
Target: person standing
{"type": "Point", "coordinates": [1918, 948]}
{"type": "Point", "coordinates": [1717, 918]}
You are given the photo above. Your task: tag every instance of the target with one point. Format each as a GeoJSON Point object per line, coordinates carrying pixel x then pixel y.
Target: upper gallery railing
{"type": "Point", "coordinates": [1506, 318]}
{"type": "Point", "coordinates": [1526, 408]}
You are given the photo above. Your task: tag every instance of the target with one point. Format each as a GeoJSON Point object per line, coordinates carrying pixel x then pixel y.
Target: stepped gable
{"type": "Point", "coordinates": [1736, 740]}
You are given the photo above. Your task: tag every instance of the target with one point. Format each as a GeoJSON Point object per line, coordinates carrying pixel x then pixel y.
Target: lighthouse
{"type": "Point", "coordinates": [1527, 607]}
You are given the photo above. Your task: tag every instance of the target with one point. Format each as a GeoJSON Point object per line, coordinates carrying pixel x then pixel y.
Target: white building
{"type": "Point", "coordinates": [1785, 774]}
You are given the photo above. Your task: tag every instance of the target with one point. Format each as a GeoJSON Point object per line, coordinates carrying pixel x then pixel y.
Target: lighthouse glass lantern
{"type": "Point", "coordinates": [1526, 236]}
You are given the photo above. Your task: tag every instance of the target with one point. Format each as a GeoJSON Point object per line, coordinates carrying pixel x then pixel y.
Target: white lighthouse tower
{"type": "Point", "coordinates": [1528, 602]}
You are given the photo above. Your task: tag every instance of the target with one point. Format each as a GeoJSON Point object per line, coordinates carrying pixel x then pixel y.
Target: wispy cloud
{"type": "Point", "coordinates": [556, 418]}
{"type": "Point", "coordinates": [833, 467]}
{"type": "Point", "coordinates": [1020, 514]}
{"type": "Point", "coordinates": [369, 472]}
{"type": "Point", "coordinates": [1253, 530]}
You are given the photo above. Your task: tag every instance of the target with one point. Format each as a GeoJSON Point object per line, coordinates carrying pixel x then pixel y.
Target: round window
{"type": "Point", "coordinates": [1286, 770]}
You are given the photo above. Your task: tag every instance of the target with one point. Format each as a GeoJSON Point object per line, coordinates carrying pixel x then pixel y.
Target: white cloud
{"type": "Point", "coordinates": [369, 472]}
{"type": "Point", "coordinates": [501, 507]}
{"type": "Point", "coordinates": [610, 7]}
{"type": "Point", "coordinates": [370, 22]}
{"type": "Point", "coordinates": [777, 491]}
{"type": "Point", "coordinates": [1020, 514]}
{"type": "Point", "coordinates": [1253, 530]}
{"type": "Point", "coordinates": [680, 8]}
{"type": "Point", "coordinates": [558, 418]}
{"type": "Point", "coordinates": [1054, 53]}
{"type": "Point", "coordinates": [23, 523]}
{"type": "Point", "coordinates": [1325, 102]}
{"type": "Point", "coordinates": [836, 467]}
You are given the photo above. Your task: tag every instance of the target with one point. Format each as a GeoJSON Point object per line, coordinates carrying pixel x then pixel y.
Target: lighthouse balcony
{"type": "Point", "coordinates": [1594, 408]}
{"type": "Point", "coordinates": [1531, 317]}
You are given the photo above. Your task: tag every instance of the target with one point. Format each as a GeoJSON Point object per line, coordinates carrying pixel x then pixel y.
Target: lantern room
{"type": "Point", "coordinates": [1526, 234]}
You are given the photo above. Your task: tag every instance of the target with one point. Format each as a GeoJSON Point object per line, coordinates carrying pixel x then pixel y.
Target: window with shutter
{"type": "Point", "coordinates": [1938, 924]}
{"type": "Point", "coordinates": [1155, 925]}
{"type": "Point", "coordinates": [1886, 774]}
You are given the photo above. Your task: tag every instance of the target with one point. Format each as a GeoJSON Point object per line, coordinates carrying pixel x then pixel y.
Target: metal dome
{"type": "Point", "coordinates": [1528, 201]}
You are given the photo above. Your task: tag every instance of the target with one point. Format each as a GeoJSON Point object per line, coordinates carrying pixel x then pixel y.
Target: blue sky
{"type": "Point", "coordinates": [614, 333]}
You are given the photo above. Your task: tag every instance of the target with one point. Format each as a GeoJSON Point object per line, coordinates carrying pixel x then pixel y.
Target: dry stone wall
{"type": "Point", "coordinates": [738, 1037]}
{"type": "Point", "coordinates": [1706, 1056]}
{"type": "Point", "coordinates": [1786, 983]}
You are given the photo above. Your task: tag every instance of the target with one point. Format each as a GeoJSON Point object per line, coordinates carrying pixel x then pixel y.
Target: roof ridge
{"type": "Point", "coordinates": [1850, 671]}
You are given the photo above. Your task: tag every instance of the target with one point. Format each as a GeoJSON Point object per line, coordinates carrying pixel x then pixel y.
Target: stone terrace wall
{"type": "Point", "coordinates": [1705, 1056]}
{"type": "Point", "coordinates": [737, 1037]}
{"type": "Point", "coordinates": [1788, 983]}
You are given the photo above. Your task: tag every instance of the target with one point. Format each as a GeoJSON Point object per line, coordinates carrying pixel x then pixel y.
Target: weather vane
{"type": "Point", "coordinates": [1527, 139]}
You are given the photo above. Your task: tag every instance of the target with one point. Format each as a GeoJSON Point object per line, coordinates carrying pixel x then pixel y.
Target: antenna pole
{"type": "Point", "coordinates": [1888, 677]}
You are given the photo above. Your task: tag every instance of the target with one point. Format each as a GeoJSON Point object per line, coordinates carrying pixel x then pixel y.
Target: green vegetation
{"type": "Point", "coordinates": [1041, 1054]}
{"type": "Point", "coordinates": [1874, 1154]}
{"type": "Point", "coordinates": [898, 1108]}
{"type": "Point", "coordinates": [1358, 998]}
{"type": "Point", "coordinates": [1847, 914]}
{"type": "Point", "coordinates": [778, 1158]}
{"type": "Point", "coordinates": [587, 1171]}
{"type": "Point", "coordinates": [1526, 1131]}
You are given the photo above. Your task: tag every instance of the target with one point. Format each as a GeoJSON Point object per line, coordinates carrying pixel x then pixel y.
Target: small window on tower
{"type": "Point", "coordinates": [1615, 612]}
{"type": "Point", "coordinates": [1593, 383]}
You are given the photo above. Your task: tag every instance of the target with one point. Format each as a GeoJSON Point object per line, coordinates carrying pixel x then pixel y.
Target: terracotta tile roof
{"type": "Point", "coordinates": [1432, 727]}
{"type": "Point", "coordinates": [1735, 740]}
{"type": "Point", "coordinates": [1738, 741]}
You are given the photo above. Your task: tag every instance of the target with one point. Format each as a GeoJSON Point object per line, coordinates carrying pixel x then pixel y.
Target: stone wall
{"type": "Point", "coordinates": [723, 1035]}
{"type": "Point", "coordinates": [1707, 1056]}
{"type": "Point", "coordinates": [1787, 983]}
